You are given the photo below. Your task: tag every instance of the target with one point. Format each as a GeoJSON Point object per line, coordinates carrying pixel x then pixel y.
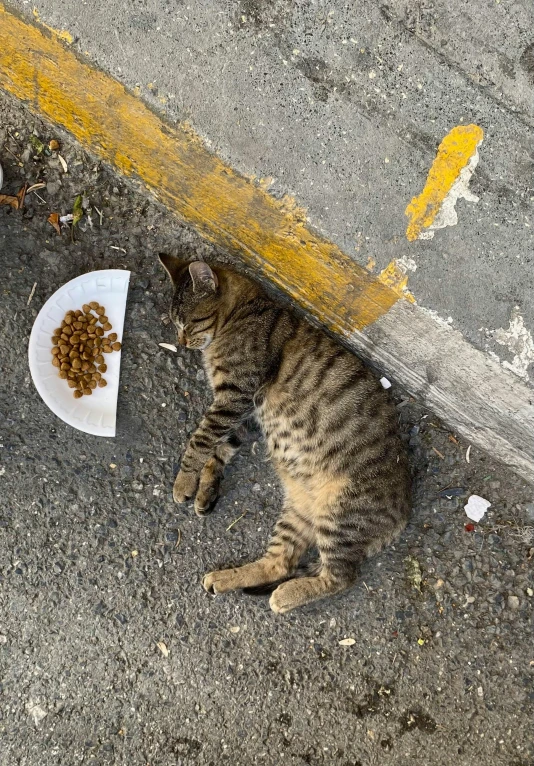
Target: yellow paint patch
{"type": "Point", "coordinates": [61, 33]}
{"type": "Point", "coordinates": [454, 153]}
{"type": "Point", "coordinates": [396, 279]}
{"type": "Point", "coordinates": [233, 212]}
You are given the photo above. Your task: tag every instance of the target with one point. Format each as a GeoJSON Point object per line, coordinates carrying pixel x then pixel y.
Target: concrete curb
{"type": "Point", "coordinates": [488, 405]}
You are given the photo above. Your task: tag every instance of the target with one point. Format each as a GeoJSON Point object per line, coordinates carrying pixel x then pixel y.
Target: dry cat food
{"type": "Point", "coordinates": [79, 346]}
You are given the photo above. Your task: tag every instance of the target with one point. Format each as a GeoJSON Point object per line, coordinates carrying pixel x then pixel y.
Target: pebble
{"type": "Point", "coordinates": [138, 486]}
{"type": "Point", "coordinates": [513, 602]}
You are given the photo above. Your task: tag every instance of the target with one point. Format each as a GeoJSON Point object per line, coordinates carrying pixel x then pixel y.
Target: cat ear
{"type": "Point", "coordinates": [172, 265]}
{"type": "Point", "coordinates": [203, 276]}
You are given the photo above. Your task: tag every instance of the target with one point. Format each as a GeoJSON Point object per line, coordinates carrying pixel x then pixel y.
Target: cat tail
{"type": "Point", "coordinates": [311, 569]}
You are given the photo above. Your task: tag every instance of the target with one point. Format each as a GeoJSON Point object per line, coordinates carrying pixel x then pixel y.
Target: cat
{"type": "Point", "coordinates": [330, 427]}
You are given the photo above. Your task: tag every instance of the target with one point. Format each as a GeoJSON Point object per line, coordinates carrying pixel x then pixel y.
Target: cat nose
{"type": "Point", "coordinates": [181, 338]}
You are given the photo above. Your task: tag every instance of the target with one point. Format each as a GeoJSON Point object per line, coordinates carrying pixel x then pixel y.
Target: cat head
{"type": "Point", "coordinates": [194, 302]}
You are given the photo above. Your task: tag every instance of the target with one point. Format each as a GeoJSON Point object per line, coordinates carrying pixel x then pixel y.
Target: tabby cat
{"type": "Point", "coordinates": [330, 428]}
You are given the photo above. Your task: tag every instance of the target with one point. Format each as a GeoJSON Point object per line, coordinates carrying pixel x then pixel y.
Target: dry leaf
{"type": "Point", "coordinates": [17, 201]}
{"type": "Point", "coordinates": [53, 219]}
{"type": "Point", "coordinates": [8, 199]}
{"type": "Point", "coordinates": [163, 648]}
{"type": "Point", "coordinates": [168, 346]}
{"type": "Point", "coordinates": [63, 164]}
{"type": "Point", "coordinates": [53, 145]}
{"type": "Point", "coordinates": [347, 642]}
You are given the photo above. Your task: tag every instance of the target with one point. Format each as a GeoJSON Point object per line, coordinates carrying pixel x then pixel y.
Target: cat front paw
{"type": "Point", "coordinates": [185, 486]}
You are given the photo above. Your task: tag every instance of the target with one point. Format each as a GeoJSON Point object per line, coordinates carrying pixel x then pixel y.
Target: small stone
{"type": "Point", "coordinates": [3, 639]}
{"type": "Point", "coordinates": [138, 486]}
{"type": "Point", "coordinates": [201, 375]}
{"type": "Point", "coordinates": [513, 602]}
{"type": "Point", "coordinates": [530, 592]}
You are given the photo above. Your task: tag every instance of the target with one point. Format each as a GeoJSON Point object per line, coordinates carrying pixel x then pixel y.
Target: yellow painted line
{"type": "Point", "coordinates": [61, 33]}
{"type": "Point", "coordinates": [454, 154]}
{"type": "Point", "coordinates": [228, 209]}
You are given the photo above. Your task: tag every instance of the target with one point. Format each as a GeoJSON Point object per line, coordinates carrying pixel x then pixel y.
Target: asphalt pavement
{"type": "Point", "coordinates": [110, 651]}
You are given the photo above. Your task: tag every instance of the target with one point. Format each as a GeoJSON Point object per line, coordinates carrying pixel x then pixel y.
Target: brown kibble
{"type": "Point", "coordinates": [99, 331]}
{"type": "Point", "coordinates": [92, 368]}
{"type": "Point", "coordinates": [77, 363]}
{"type": "Point", "coordinates": [86, 356]}
{"type": "Point", "coordinates": [87, 391]}
{"type": "Point", "coordinates": [69, 319]}
{"type": "Point", "coordinates": [102, 383]}
{"type": "Point", "coordinates": [64, 349]}
{"type": "Point", "coordinates": [63, 374]}
{"type": "Point", "coordinates": [85, 366]}
{"type": "Point", "coordinates": [103, 368]}
{"type": "Point", "coordinates": [79, 384]}
{"type": "Point", "coordinates": [74, 339]}
{"type": "Point", "coordinates": [77, 325]}
{"type": "Point", "coordinates": [65, 366]}
{"type": "Point", "coordinates": [78, 313]}
{"type": "Point", "coordinates": [100, 311]}
{"type": "Point", "coordinates": [87, 376]}
{"type": "Point", "coordinates": [113, 337]}
{"type": "Point", "coordinates": [68, 330]}
{"type": "Point", "coordinates": [86, 308]}
{"type": "Point", "coordinates": [56, 362]}
{"type": "Point", "coordinates": [93, 319]}
{"type": "Point", "coordinates": [108, 326]}
{"type": "Point", "coordinates": [55, 350]}
{"type": "Point", "coordinates": [92, 384]}
{"type": "Point", "coordinates": [89, 343]}
{"type": "Point", "coordinates": [96, 376]}
{"type": "Point", "coordinates": [116, 346]}
{"type": "Point", "coordinates": [55, 340]}
{"type": "Point", "coordinates": [58, 331]}
{"type": "Point", "coordinates": [78, 394]}
{"type": "Point", "coordinates": [94, 305]}
{"type": "Point", "coordinates": [71, 383]}
{"type": "Point", "coordinates": [65, 337]}
{"type": "Point", "coordinates": [73, 354]}
{"type": "Point", "coordinates": [103, 319]}
{"type": "Point", "coordinates": [99, 359]}
{"type": "Point", "coordinates": [107, 349]}
{"type": "Point", "coordinates": [72, 374]}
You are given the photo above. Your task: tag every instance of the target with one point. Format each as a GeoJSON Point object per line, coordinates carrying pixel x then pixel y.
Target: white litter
{"type": "Point", "coordinates": [385, 383]}
{"type": "Point", "coordinates": [347, 642]}
{"type": "Point", "coordinates": [168, 346]}
{"type": "Point", "coordinates": [66, 218]}
{"type": "Point", "coordinates": [36, 711]}
{"type": "Point", "coordinates": [63, 163]}
{"type": "Point", "coordinates": [163, 648]}
{"type": "Point", "coordinates": [467, 454]}
{"type": "Point", "coordinates": [476, 507]}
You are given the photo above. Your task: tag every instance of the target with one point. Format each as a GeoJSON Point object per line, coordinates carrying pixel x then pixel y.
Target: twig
{"type": "Point", "coordinates": [179, 540]}
{"type": "Point", "coordinates": [236, 520]}
{"type": "Point", "coordinates": [438, 453]}
{"type": "Point", "coordinates": [32, 293]}
{"type": "Point", "coordinates": [100, 214]}
{"type": "Point", "coordinates": [14, 155]}
{"type": "Point", "coordinates": [39, 197]}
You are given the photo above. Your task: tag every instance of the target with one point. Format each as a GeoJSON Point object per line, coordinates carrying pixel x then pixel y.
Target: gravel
{"type": "Point", "coordinates": [99, 569]}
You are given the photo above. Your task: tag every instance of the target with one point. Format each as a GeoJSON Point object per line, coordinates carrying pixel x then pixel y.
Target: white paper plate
{"type": "Point", "coordinates": [94, 414]}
